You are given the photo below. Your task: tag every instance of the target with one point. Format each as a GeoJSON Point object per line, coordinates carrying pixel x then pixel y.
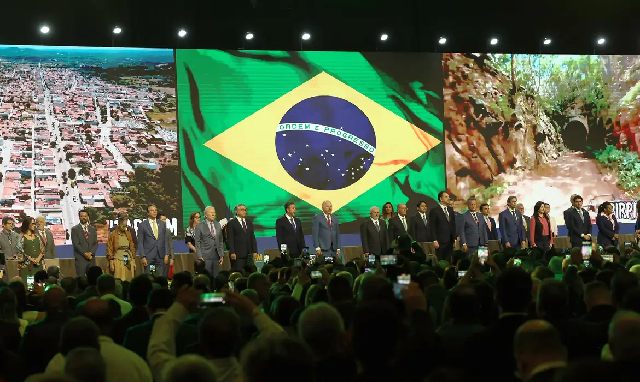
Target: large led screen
{"type": "Point", "coordinates": [264, 128]}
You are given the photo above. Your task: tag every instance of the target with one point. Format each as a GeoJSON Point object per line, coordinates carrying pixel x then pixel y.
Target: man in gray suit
{"type": "Point", "coordinates": [208, 237]}
{"type": "Point", "coordinates": [9, 240]}
{"type": "Point", "coordinates": [163, 218]}
{"type": "Point", "coordinates": [46, 238]}
{"type": "Point", "coordinates": [473, 229]}
{"type": "Point", "coordinates": [85, 244]}
{"type": "Point", "coordinates": [325, 231]}
{"type": "Point", "coordinates": [152, 243]}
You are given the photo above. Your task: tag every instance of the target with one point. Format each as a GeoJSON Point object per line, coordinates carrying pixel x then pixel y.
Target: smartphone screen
{"type": "Point", "coordinates": [329, 260]}
{"type": "Point", "coordinates": [152, 268]}
{"type": "Point", "coordinates": [627, 244]}
{"type": "Point", "coordinates": [30, 282]}
{"type": "Point", "coordinates": [232, 286]}
{"type": "Point", "coordinates": [169, 282]}
{"type": "Point", "coordinates": [297, 262]}
{"type": "Point", "coordinates": [316, 274]}
{"type": "Point", "coordinates": [367, 270]}
{"type": "Point", "coordinates": [404, 279]}
{"type": "Point", "coordinates": [211, 298]}
{"type": "Point", "coordinates": [586, 263]}
{"type": "Point", "coordinates": [266, 258]}
{"type": "Point", "coordinates": [586, 251]}
{"type": "Point", "coordinates": [398, 288]}
{"type": "Point", "coordinates": [388, 259]}
{"type": "Point", "coordinates": [305, 251]}
{"type": "Point", "coordinates": [312, 258]}
{"type": "Point", "coordinates": [461, 274]}
{"type": "Point", "coordinates": [283, 247]}
{"type": "Point", "coordinates": [372, 259]}
{"type": "Point", "coordinates": [607, 257]}
{"type": "Point", "coordinates": [517, 262]}
{"type": "Point", "coordinates": [483, 254]}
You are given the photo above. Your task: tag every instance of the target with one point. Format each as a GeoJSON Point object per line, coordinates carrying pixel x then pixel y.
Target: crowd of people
{"type": "Point", "coordinates": [519, 314]}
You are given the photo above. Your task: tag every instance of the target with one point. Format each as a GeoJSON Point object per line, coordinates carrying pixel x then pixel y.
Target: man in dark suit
{"type": "Point", "coordinates": [490, 223]}
{"type": "Point", "coordinates": [208, 237]}
{"type": "Point", "coordinates": [373, 234]}
{"type": "Point", "coordinates": [525, 222]}
{"type": "Point", "coordinates": [442, 227]}
{"type": "Point", "coordinates": [511, 227]}
{"type": "Point", "coordinates": [153, 244]}
{"type": "Point", "coordinates": [46, 238]}
{"type": "Point", "coordinates": [578, 222]}
{"type": "Point", "coordinates": [289, 231]}
{"type": "Point", "coordinates": [399, 224]}
{"type": "Point", "coordinates": [137, 337]}
{"type": "Point", "coordinates": [539, 352]}
{"type": "Point", "coordinates": [419, 224]}
{"type": "Point", "coordinates": [241, 239]}
{"type": "Point", "coordinates": [169, 257]}
{"type": "Point", "coordinates": [513, 296]}
{"type": "Point", "coordinates": [40, 341]}
{"type": "Point", "coordinates": [85, 244]}
{"type": "Point", "coordinates": [473, 233]}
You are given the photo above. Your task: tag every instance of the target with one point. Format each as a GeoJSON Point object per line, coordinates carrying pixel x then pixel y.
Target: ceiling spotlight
{"type": "Point", "coordinates": [547, 41]}
{"type": "Point", "coordinates": [384, 37]}
{"type": "Point", "coordinates": [442, 40]}
{"type": "Point", "coordinates": [306, 36]}
{"type": "Point", "coordinates": [182, 33]}
{"type": "Point", "coordinates": [44, 29]}
{"type": "Point", "coordinates": [601, 41]}
{"type": "Point", "coordinates": [249, 36]}
{"type": "Point", "coordinates": [493, 41]}
{"type": "Point", "coordinates": [117, 30]}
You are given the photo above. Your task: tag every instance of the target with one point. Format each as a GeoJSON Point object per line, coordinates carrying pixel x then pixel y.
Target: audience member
{"type": "Point", "coordinates": [86, 365]}
{"type": "Point", "coordinates": [139, 290]}
{"type": "Point", "coordinates": [539, 352]}
{"type": "Point", "coordinates": [137, 337]}
{"type": "Point", "coordinates": [106, 286]}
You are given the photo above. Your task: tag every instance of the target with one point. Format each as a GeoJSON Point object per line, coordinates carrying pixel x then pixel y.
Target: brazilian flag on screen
{"type": "Point", "coordinates": [261, 128]}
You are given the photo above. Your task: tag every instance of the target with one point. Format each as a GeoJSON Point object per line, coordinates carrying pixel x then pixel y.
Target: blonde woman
{"type": "Point", "coordinates": [121, 250]}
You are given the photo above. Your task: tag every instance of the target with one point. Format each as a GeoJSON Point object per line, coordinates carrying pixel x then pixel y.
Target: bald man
{"type": "Point", "coordinates": [325, 231]}
{"type": "Point", "coordinates": [624, 336]}
{"type": "Point", "coordinates": [538, 351]}
{"type": "Point", "coordinates": [373, 234]}
{"type": "Point", "coordinates": [208, 237]}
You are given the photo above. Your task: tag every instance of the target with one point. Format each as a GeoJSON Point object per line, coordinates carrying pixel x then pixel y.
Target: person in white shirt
{"type": "Point", "coordinates": [552, 220]}
{"type": "Point", "coordinates": [122, 364]}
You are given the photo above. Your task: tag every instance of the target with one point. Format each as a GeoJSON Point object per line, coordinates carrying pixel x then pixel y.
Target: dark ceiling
{"type": "Point", "coordinates": [352, 25]}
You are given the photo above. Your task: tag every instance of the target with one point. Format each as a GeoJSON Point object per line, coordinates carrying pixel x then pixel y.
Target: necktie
{"type": "Point", "coordinates": [154, 226]}
{"type": "Point", "coordinates": [86, 232]}
{"type": "Point", "coordinates": [244, 226]}
{"type": "Point", "coordinates": [404, 223]}
{"type": "Point", "coordinates": [329, 220]}
{"type": "Point", "coordinates": [293, 223]}
{"type": "Point", "coordinates": [424, 219]}
{"type": "Point", "coordinates": [377, 225]}
{"type": "Point", "coordinates": [475, 218]}
{"type": "Point", "coordinates": [446, 212]}
{"type": "Point", "coordinates": [44, 237]}
{"type": "Point", "coordinates": [488, 223]}
{"type": "Point", "coordinates": [513, 212]}
{"type": "Point", "coordinates": [213, 230]}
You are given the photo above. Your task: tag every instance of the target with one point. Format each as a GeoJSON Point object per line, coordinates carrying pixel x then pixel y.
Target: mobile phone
{"type": "Point", "coordinates": [607, 257]}
{"type": "Point", "coordinates": [329, 260]}
{"type": "Point", "coordinates": [586, 251]}
{"type": "Point", "coordinates": [266, 258]}
{"type": "Point", "coordinates": [627, 244]}
{"type": "Point", "coordinates": [169, 282]}
{"type": "Point", "coordinates": [297, 262]}
{"type": "Point", "coordinates": [152, 268]}
{"type": "Point", "coordinates": [305, 251]}
{"type": "Point", "coordinates": [567, 256]}
{"type": "Point", "coordinates": [316, 274]}
{"type": "Point", "coordinates": [404, 279]}
{"type": "Point", "coordinates": [483, 254]}
{"type": "Point", "coordinates": [461, 274]}
{"type": "Point", "coordinates": [517, 262]}
{"type": "Point", "coordinates": [388, 259]}
{"type": "Point", "coordinates": [232, 286]}
{"type": "Point", "coordinates": [372, 259]}
{"type": "Point", "coordinates": [586, 263]}
{"type": "Point", "coordinates": [312, 258]}
{"type": "Point", "coordinates": [283, 247]}
{"type": "Point", "coordinates": [367, 270]}
{"type": "Point", "coordinates": [211, 298]}
{"type": "Point", "coordinates": [125, 260]}
{"type": "Point", "coordinates": [29, 282]}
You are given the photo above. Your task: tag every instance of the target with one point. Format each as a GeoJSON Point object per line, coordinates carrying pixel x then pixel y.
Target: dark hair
{"type": "Point", "coordinates": [536, 208]}
{"type": "Point", "coordinates": [384, 205]}
{"type": "Point", "coordinates": [70, 285]}
{"type": "Point", "coordinates": [553, 299]}
{"type": "Point", "coordinates": [576, 198]}
{"type": "Point", "coordinates": [482, 206]}
{"type": "Point", "coordinates": [106, 283]}
{"type": "Point", "coordinates": [81, 211]}
{"type": "Point", "coordinates": [93, 273]}
{"type": "Point", "coordinates": [603, 206]}
{"type": "Point", "coordinates": [26, 223]}
{"type": "Point", "coordinates": [7, 219]}
{"type": "Point", "coordinates": [192, 218]}
{"type": "Point", "coordinates": [139, 290]}
{"type": "Point", "coordinates": [287, 205]}
{"type": "Point", "coordinates": [420, 203]}
{"type": "Point", "coordinates": [161, 214]}
{"type": "Point", "coordinates": [513, 290]}
{"type": "Point", "coordinates": [511, 197]}
{"type": "Point", "coordinates": [463, 303]}
{"type": "Point", "coordinates": [220, 332]}
{"type": "Point", "coordinates": [159, 299]}
{"type": "Point", "coordinates": [547, 204]}
{"type": "Point", "coordinates": [440, 195]}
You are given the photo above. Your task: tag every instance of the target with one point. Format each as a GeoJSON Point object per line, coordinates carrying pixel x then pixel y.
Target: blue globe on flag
{"type": "Point", "coordinates": [325, 143]}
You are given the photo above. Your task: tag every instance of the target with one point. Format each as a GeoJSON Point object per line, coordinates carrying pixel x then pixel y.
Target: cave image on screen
{"type": "Point", "coordinates": [543, 127]}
